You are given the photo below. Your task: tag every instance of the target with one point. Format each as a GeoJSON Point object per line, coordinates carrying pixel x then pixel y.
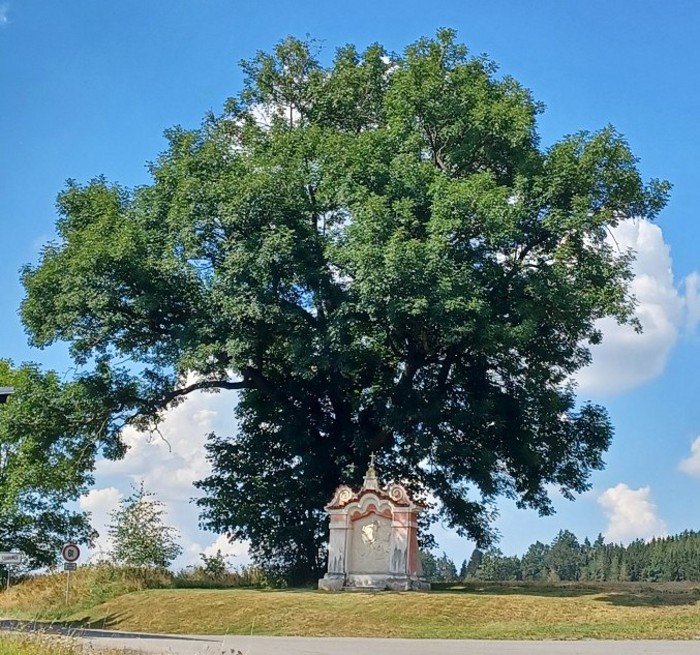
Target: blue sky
{"type": "Point", "coordinates": [88, 88]}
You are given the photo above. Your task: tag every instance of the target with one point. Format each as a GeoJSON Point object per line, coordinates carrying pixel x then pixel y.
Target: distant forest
{"type": "Point", "coordinates": [668, 559]}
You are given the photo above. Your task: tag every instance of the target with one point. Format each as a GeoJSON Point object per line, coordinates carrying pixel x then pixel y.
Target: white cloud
{"type": "Point", "coordinates": [691, 465]}
{"type": "Point", "coordinates": [626, 359]}
{"type": "Point", "coordinates": [100, 503]}
{"type": "Point", "coordinates": [264, 114]}
{"type": "Point", "coordinates": [168, 463]}
{"type": "Point", "coordinates": [692, 301]}
{"type": "Point", "coordinates": [236, 553]}
{"type": "Point", "coordinates": [228, 549]}
{"type": "Point", "coordinates": [631, 514]}
{"type": "Point", "coordinates": [4, 14]}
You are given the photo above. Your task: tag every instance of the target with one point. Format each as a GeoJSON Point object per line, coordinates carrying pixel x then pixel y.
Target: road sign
{"type": "Point", "coordinates": [11, 558]}
{"type": "Point", "coordinates": [70, 566]}
{"type": "Point", "coordinates": [70, 552]}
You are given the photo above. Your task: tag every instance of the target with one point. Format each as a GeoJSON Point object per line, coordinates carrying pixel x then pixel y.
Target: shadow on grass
{"type": "Point", "coordinates": [624, 594]}
{"type": "Point", "coordinates": [617, 594]}
{"type": "Point", "coordinates": [651, 599]}
{"type": "Point", "coordinates": [500, 589]}
{"type": "Point", "coordinates": [106, 623]}
{"type": "Point", "coordinates": [85, 629]}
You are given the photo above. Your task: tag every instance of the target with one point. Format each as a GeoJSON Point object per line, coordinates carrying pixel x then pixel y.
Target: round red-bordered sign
{"type": "Point", "coordinates": [70, 552]}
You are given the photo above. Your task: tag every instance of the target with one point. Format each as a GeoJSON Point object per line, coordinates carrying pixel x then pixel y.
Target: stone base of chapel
{"type": "Point", "coordinates": [371, 582]}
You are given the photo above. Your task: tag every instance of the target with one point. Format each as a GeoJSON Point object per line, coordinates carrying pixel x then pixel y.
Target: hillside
{"type": "Point", "coordinates": [123, 601]}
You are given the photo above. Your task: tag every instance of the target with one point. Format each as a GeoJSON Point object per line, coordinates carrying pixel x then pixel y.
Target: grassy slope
{"type": "Point", "coordinates": [122, 600]}
{"type": "Point", "coordinates": [44, 597]}
{"type": "Point", "coordinates": [446, 615]}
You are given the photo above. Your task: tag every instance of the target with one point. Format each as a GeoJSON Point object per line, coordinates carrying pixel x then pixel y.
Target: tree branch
{"type": "Point", "coordinates": [256, 378]}
{"type": "Point", "coordinates": [201, 385]}
{"type": "Point", "coordinates": [446, 367]}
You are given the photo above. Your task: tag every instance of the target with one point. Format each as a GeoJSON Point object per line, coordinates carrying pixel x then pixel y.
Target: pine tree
{"type": "Point", "coordinates": [446, 569]}
{"type": "Point", "coordinates": [463, 570]}
{"type": "Point", "coordinates": [474, 562]}
{"type": "Point", "coordinates": [564, 556]}
{"type": "Point", "coordinates": [534, 563]}
{"type": "Point", "coordinates": [428, 563]}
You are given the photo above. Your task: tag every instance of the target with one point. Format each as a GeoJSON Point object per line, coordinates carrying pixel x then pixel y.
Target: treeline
{"type": "Point", "coordinates": [669, 559]}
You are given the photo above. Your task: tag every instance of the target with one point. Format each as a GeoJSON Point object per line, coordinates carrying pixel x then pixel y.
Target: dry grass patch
{"type": "Point", "coordinates": [23, 644]}
{"type": "Point", "coordinates": [44, 596]}
{"type": "Point", "coordinates": [125, 599]}
{"type": "Point", "coordinates": [474, 613]}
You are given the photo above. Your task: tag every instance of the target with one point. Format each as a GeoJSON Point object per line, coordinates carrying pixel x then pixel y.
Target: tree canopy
{"type": "Point", "coordinates": [47, 451]}
{"type": "Point", "coordinates": [665, 559]}
{"type": "Point", "coordinates": [377, 255]}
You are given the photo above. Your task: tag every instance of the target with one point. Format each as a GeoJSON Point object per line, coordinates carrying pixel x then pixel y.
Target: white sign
{"type": "Point", "coordinates": [70, 552]}
{"type": "Point", "coordinates": [70, 566]}
{"type": "Point", "coordinates": [11, 558]}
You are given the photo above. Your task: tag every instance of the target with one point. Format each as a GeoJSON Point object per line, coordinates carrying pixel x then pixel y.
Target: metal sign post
{"type": "Point", "coordinates": [71, 554]}
{"type": "Point", "coordinates": [5, 393]}
{"type": "Point", "coordinates": [8, 559]}
{"type": "Point", "coordinates": [67, 586]}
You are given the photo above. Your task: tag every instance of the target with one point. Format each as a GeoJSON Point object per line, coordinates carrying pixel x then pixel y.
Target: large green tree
{"type": "Point", "coordinates": [378, 255]}
{"type": "Point", "coordinates": [47, 452]}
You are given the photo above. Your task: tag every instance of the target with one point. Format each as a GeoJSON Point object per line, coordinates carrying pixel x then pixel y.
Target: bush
{"type": "Point", "coordinates": [204, 577]}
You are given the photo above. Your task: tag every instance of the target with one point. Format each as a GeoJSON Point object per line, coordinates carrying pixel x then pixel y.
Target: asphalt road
{"type": "Point", "coordinates": [253, 645]}
{"type": "Point", "coordinates": [235, 645]}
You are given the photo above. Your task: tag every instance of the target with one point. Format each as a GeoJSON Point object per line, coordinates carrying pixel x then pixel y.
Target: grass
{"type": "Point", "coordinates": [11, 644]}
{"type": "Point", "coordinates": [455, 614]}
{"type": "Point", "coordinates": [43, 597]}
{"type": "Point", "coordinates": [474, 611]}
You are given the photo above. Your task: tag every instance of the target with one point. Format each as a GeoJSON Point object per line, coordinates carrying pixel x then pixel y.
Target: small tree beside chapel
{"type": "Point", "coordinates": [139, 535]}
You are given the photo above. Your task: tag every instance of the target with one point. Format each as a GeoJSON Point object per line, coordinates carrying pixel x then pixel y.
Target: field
{"type": "Point", "coordinates": [124, 601]}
